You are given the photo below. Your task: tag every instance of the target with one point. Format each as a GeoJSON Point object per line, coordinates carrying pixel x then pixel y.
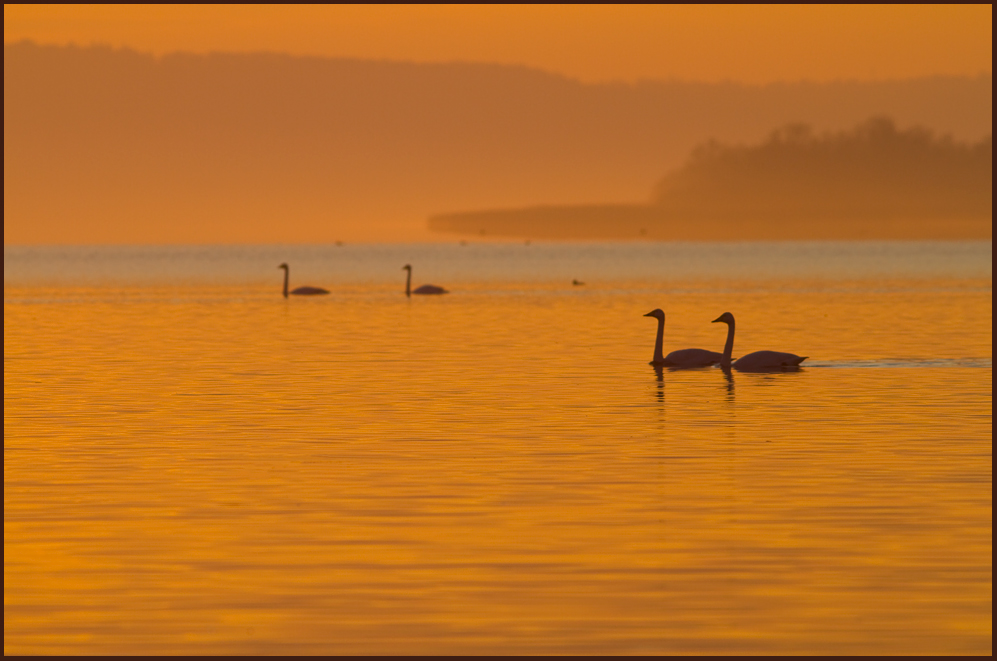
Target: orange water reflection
{"type": "Point", "coordinates": [218, 470]}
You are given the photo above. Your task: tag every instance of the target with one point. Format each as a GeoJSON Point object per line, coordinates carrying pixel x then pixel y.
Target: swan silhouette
{"type": "Point", "coordinates": [300, 291]}
{"type": "Point", "coordinates": [425, 289]}
{"type": "Point", "coordinates": [759, 361]}
{"type": "Point", "coordinates": [682, 358]}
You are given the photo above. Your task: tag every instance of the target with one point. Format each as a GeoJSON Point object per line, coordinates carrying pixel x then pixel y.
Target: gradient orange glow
{"type": "Point", "coordinates": [749, 44]}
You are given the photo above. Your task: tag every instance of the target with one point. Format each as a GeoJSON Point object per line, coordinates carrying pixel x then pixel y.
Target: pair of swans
{"type": "Point", "coordinates": [313, 291]}
{"type": "Point", "coordinates": [759, 361]}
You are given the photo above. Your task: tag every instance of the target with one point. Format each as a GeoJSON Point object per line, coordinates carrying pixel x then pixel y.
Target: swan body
{"type": "Point", "coordinates": [429, 289]}
{"type": "Point", "coordinates": [309, 291]}
{"type": "Point", "coordinates": [683, 358]}
{"type": "Point", "coordinates": [692, 358]}
{"type": "Point", "coordinates": [759, 361]}
{"type": "Point", "coordinates": [299, 291]}
{"type": "Point", "coordinates": [767, 360]}
{"type": "Point", "coordinates": [424, 289]}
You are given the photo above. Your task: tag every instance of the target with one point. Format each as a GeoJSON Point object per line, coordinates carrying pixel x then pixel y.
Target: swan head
{"type": "Point", "coordinates": [407, 267]}
{"type": "Point", "coordinates": [283, 266]}
{"type": "Point", "coordinates": [657, 314]}
{"type": "Point", "coordinates": [726, 318]}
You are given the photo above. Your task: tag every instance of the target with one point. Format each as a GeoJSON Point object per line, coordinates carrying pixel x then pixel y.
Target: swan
{"type": "Point", "coordinates": [300, 291]}
{"type": "Point", "coordinates": [683, 357]}
{"type": "Point", "coordinates": [759, 361]}
{"type": "Point", "coordinates": [425, 289]}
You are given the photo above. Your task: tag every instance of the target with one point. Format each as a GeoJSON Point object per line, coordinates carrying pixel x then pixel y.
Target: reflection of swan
{"type": "Point", "coordinates": [759, 361]}
{"type": "Point", "coordinates": [300, 291]}
{"type": "Point", "coordinates": [425, 289]}
{"type": "Point", "coordinates": [729, 376]}
{"type": "Point", "coordinates": [682, 357]}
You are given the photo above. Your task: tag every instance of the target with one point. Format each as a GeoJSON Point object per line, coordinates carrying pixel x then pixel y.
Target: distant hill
{"type": "Point", "coordinates": [873, 181]}
{"type": "Point", "coordinates": [115, 146]}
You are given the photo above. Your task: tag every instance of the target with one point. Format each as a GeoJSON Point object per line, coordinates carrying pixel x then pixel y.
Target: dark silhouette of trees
{"type": "Point", "coordinates": [874, 170]}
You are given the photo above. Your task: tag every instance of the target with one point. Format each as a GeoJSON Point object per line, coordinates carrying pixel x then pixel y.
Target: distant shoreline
{"type": "Point", "coordinates": [621, 221]}
{"type": "Point", "coordinates": [874, 181]}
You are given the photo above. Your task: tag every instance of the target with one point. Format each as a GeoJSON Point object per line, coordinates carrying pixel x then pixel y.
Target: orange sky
{"type": "Point", "coordinates": [752, 44]}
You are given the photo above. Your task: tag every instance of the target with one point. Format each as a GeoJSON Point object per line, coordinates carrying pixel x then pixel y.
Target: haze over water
{"type": "Point", "coordinates": [193, 464]}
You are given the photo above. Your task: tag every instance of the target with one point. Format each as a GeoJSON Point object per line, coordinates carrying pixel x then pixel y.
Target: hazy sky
{"type": "Point", "coordinates": [108, 147]}
{"type": "Point", "coordinates": [751, 44]}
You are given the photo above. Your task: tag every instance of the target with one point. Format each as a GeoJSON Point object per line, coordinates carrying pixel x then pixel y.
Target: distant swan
{"type": "Point", "coordinates": [425, 289]}
{"type": "Point", "coordinates": [759, 361]}
{"type": "Point", "coordinates": [683, 357]}
{"type": "Point", "coordinates": [300, 291]}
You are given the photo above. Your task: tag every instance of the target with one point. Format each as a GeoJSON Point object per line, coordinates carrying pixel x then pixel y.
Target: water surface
{"type": "Point", "coordinates": [193, 464]}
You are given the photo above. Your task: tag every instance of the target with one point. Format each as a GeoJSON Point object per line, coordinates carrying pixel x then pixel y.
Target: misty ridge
{"type": "Point", "coordinates": [107, 145]}
{"type": "Point", "coordinates": [874, 180]}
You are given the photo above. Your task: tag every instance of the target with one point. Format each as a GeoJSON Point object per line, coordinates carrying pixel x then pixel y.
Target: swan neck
{"type": "Point", "coordinates": [286, 277]}
{"type": "Point", "coordinates": [729, 347]}
{"type": "Point", "coordinates": [658, 356]}
{"type": "Point", "coordinates": [408, 283]}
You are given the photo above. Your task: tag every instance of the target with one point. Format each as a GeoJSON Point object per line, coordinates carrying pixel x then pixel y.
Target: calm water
{"type": "Point", "coordinates": [193, 464]}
